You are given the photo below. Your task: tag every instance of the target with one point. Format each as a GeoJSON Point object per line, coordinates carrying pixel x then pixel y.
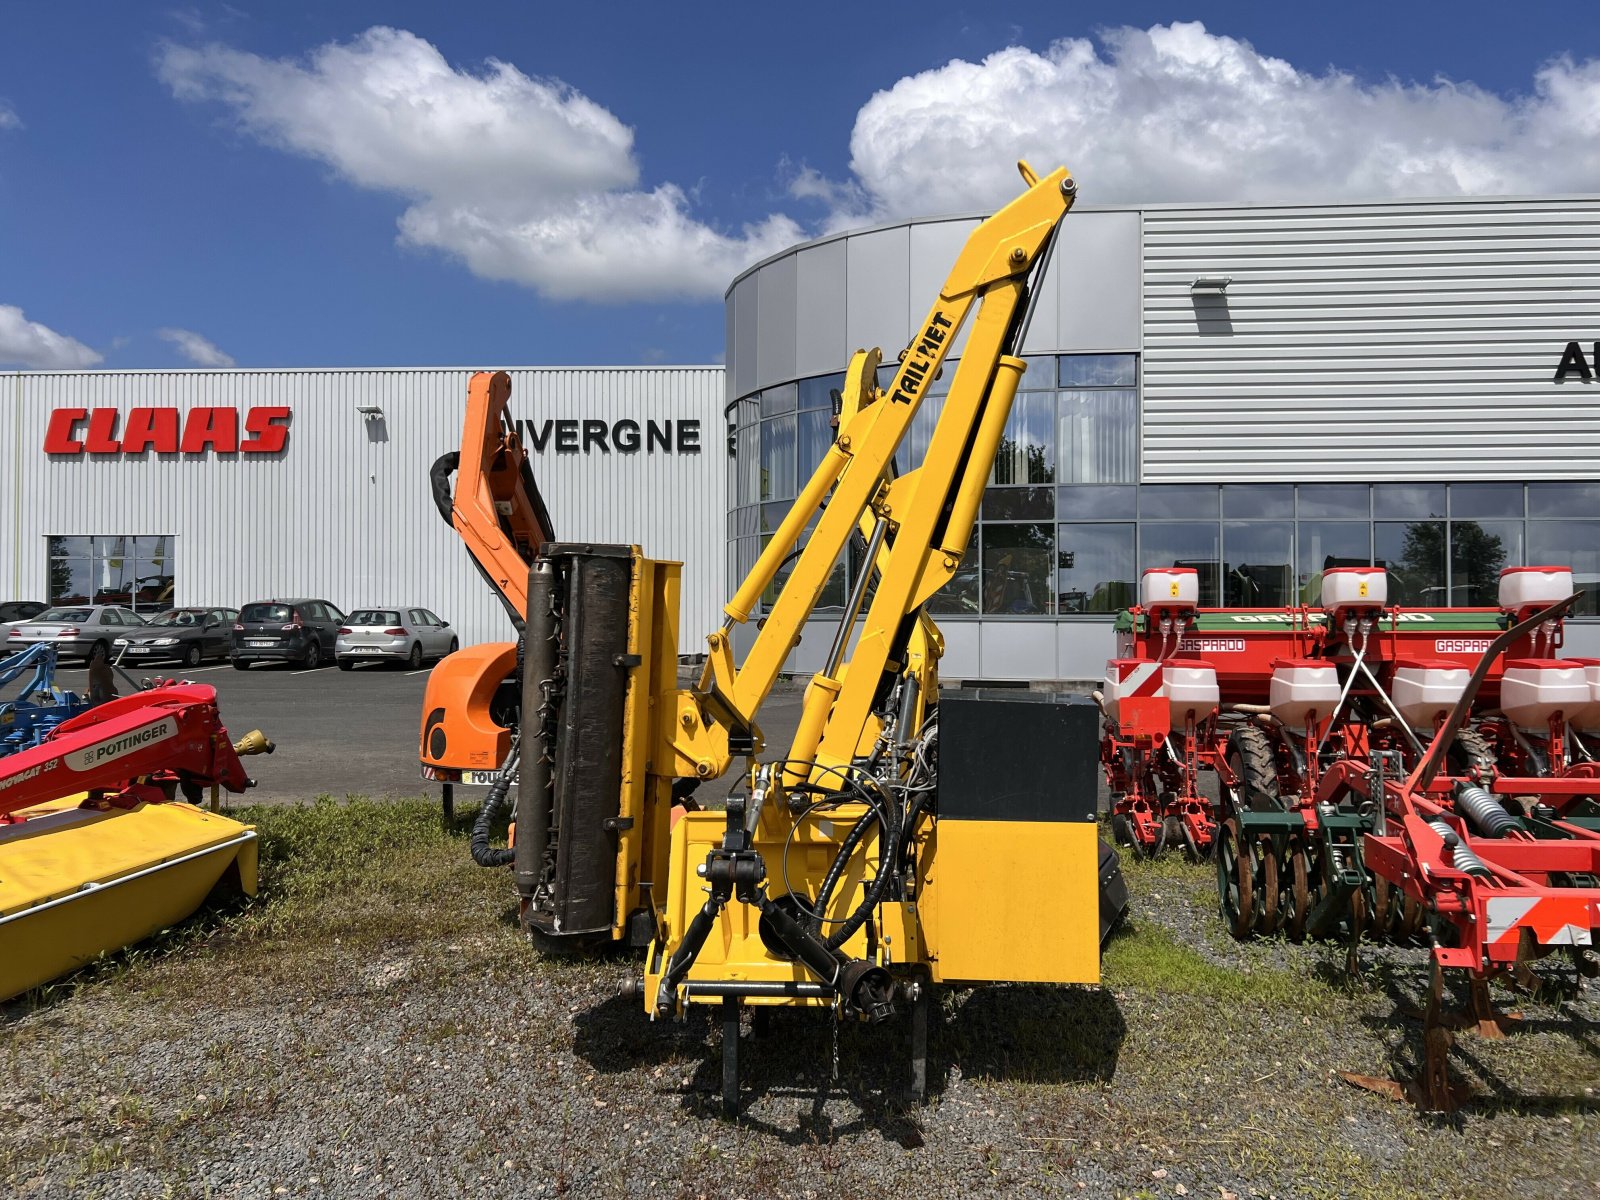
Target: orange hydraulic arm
{"type": "Point", "coordinates": [496, 507]}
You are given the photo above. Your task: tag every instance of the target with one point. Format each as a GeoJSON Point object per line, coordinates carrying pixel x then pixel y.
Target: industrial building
{"type": "Point", "coordinates": [1256, 391]}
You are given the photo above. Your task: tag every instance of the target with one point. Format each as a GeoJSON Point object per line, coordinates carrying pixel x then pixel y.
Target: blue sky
{"type": "Point", "coordinates": [356, 184]}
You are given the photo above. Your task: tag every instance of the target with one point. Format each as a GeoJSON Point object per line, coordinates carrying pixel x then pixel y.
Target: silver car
{"type": "Point", "coordinates": [78, 631]}
{"type": "Point", "coordinates": [402, 633]}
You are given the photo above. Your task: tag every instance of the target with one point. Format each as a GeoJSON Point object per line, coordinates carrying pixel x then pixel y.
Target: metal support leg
{"type": "Point", "coordinates": [730, 1057]}
{"type": "Point", "coordinates": [449, 804]}
{"type": "Point", "coordinates": [919, 1044]}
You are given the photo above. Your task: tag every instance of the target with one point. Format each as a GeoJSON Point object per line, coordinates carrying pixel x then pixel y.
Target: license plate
{"type": "Point", "coordinates": [138, 649]}
{"type": "Point", "coordinates": [259, 642]}
{"type": "Point", "coordinates": [363, 650]}
{"type": "Point", "coordinates": [479, 778]}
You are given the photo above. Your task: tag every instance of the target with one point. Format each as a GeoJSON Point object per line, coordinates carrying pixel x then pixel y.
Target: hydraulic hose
{"type": "Point", "coordinates": [495, 805]}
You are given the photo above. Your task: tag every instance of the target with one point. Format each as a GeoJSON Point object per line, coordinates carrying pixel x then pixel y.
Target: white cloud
{"type": "Point", "coordinates": [201, 351]}
{"type": "Point", "coordinates": [523, 179]}
{"type": "Point", "coordinates": [1175, 113]}
{"type": "Point", "coordinates": [26, 343]}
{"type": "Point", "coordinates": [8, 117]}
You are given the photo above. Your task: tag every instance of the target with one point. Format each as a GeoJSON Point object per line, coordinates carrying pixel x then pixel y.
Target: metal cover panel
{"type": "Point", "coordinates": [1047, 741]}
{"type": "Point", "coordinates": [744, 349]}
{"type": "Point", "coordinates": [821, 347]}
{"type": "Point", "coordinates": [877, 294]}
{"type": "Point", "coordinates": [775, 334]}
{"type": "Point", "coordinates": [963, 650]}
{"type": "Point", "coordinates": [1082, 647]}
{"type": "Point", "coordinates": [1098, 253]}
{"type": "Point", "coordinates": [1018, 649]}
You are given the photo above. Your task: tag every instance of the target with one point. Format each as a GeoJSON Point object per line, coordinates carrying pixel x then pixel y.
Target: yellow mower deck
{"type": "Point", "coordinates": [75, 883]}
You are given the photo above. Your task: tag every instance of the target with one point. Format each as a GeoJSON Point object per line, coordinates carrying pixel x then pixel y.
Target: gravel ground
{"type": "Point", "coordinates": [376, 1027]}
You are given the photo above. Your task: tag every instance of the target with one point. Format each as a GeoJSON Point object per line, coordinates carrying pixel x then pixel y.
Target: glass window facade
{"type": "Point", "coordinates": [1065, 527]}
{"type": "Point", "coordinates": [134, 572]}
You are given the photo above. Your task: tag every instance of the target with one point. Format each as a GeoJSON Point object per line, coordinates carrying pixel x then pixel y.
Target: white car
{"type": "Point", "coordinates": [402, 633]}
{"type": "Point", "coordinates": [83, 631]}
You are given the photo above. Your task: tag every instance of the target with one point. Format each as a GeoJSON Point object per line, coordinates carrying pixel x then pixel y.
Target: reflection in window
{"type": "Point", "coordinates": [959, 597]}
{"type": "Point", "coordinates": [1258, 564]}
{"type": "Point", "coordinates": [1183, 544]}
{"type": "Point", "coordinates": [815, 435]}
{"type": "Point", "coordinates": [1408, 500]}
{"type": "Point", "coordinates": [1485, 500]}
{"type": "Point", "coordinates": [1094, 568]}
{"type": "Point", "coordinates": [1478, 552]}
{"type": "Point", "coordinates": [913, 447]}
{"type": "Point", "coordinates": [1084, 503]}
{"type": "Point", "coordinates": [1564, 499]}
{"type": "Point", "coordinates": [1028, 446]}
{"type": "Point", "coordinates": [1325, 544]}
{"type": "Point", "coordinates": [1018, 569]}
{"type": "Point", "coordinates": [1178, 500]}
{"type": "Point", "coordinates": [817, 392]}
{"type": "Point", "coordinates": [1099, 436]}
{"type": "Point", "coordinates": [1334, 500]}
{"type": "Point", "coordinates": [1413, 552]}
{"type": "Point", "coordinates": [1258, 500]}
{"type": "Point", "coordinates": [1098, 370]}
{"type": "Point", "coordinates": [1569, 543]}
{"type": "Point", "coordinates": [777, 458]}
{"type": "Point", "coordinates": [134, 572]}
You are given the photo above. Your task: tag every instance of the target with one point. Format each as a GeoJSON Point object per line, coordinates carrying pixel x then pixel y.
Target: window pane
{"type": "Point", "coordinates": [70, 547]}
{"type": "Point", "coordinates": [778, 399]}
{"type": "Point", "coordinates": [1564, 500]}
{"type": "Point", "coordinates": [815, 434]}
{"type": "Point", "coordinates": [154, 580]}
{"type": "Point", "coordinates": [1258, 500]}
{"type": "Point", "coordinates": [70, 580]}
{"type": "Point", "coordinates": [1094, 568]}
{"type": "Point", "coordinates": [1414, 554]}
{"type": "Point", "coordinates": [1333, 500]}
{"type": "Point", "coordinates": [1098, 370]}
{"type": "Point", "coordinates": [1182, 544]}
{"type": "Point", "coordinates": [1478, 551]}
{"type": "Point", "coordinates": [1178, 500]}
{"type": "Point", "coordinates": [1027, 448]}
{"type": "Point", "coordinates": [1099, 436]}
{"type": "Point", "coordinates": [1019, 504]}
{"type": "Point", "coordinates": [1074, 503]}
{"type": "Point", "coordinates": [818, 392]}
{"type": "Point", "coordinates": [1408, 500]}
{"type": "Point", "coordinates": [1040, 375]}
{"type": "Point", "coordinates": [1018, 568]}
{"type": "Point", "coordinates": [1258, 564]}
{"type": "Point", "coordinates": [747, 462]}
{"type": "Point", "coordinates": [1569, 543]}
{"type": "Point", "coordinates": [959, 597]}
{"type": "Point", "coordinates": [1485, 500]}
{"type": "Point", "coordinates": [777, 458]}
{"type": "Point", "coordinates": [771, 516]}
{"type": "Point", "coordinates": [1324, 544]}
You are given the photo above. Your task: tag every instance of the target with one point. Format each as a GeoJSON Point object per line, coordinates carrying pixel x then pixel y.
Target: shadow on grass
{"type": "Point", "coordinates": [1406, 987]}
{"type": "Point", "coordinates": [1012, 1033]}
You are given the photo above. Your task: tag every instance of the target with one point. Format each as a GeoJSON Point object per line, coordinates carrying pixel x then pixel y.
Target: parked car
{"type": "Point", "coordinates": [402, 633]}
{"type": "Point", "coordinates": [190, 635]}
{"type": "Point", "coordinates": [83, 631]}
{"type": "Point", "coordinates": [12, 611]}
{"type": "Point", "coordinates": [297, 630]}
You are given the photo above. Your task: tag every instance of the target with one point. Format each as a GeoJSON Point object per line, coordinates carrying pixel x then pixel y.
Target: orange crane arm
{"type": "Point", "coordinates": [496, 507]}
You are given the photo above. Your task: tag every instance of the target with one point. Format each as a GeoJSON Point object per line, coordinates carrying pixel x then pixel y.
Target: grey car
{"type": "Point", "coordinates": [398, 633]}
{"type": "Point", "coordinates": [78, 631]}
{"type": "Point", "coordinates": [189, 635]}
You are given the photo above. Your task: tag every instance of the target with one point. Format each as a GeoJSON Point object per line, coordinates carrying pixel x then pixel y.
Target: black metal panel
{"type": "Point", "coordinates": [588, 758]}
{"type": "Point", "coordinates": [1018, 756]}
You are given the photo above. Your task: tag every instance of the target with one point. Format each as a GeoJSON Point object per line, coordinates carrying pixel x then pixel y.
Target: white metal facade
{"type": "Point", "coordinates": [1409, 341]}
{"type": "Point", "coordinates": [344, 512]}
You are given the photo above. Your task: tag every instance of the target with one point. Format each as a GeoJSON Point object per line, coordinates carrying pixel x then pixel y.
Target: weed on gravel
{"type": "Point", "coordinates": [375, 1025]}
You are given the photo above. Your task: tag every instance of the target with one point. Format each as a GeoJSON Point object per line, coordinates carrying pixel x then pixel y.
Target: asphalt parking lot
{"type": "Point", "coordinates": [341, 733]}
